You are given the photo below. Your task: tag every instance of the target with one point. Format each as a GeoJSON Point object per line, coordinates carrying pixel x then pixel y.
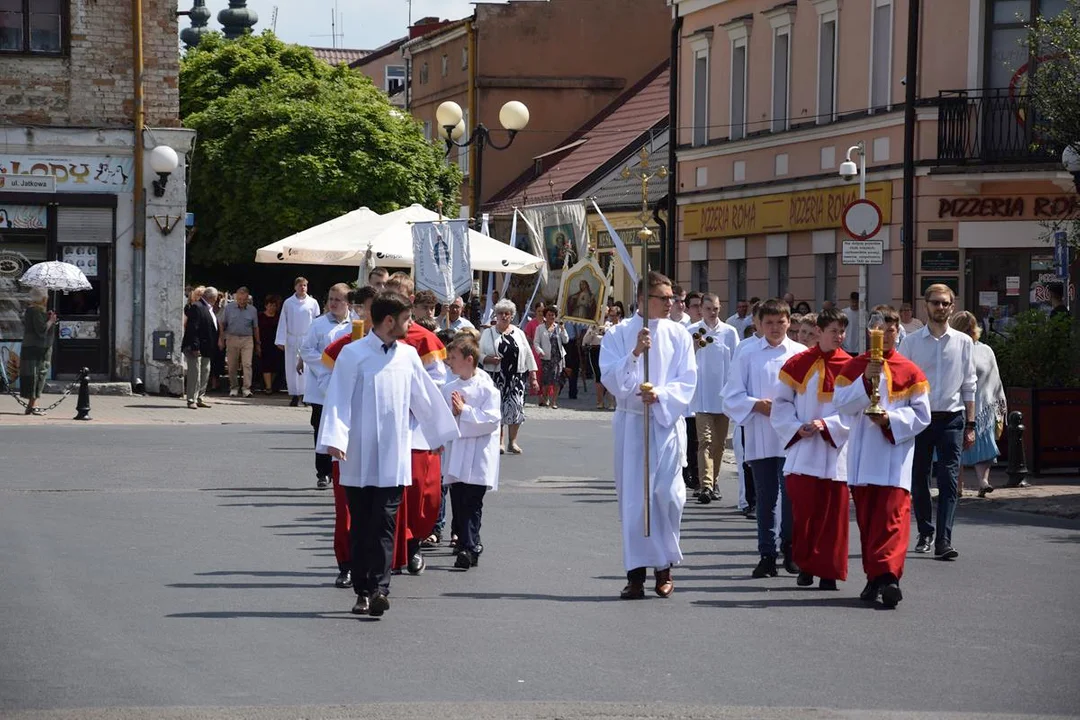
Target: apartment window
{"type": "Point", "coordinates": [395, 79]}
{"type": "Point", "coordinates": [445, 65]}
{"type": "Point", "coordinates": [826, 80]}
{"type": "Point", "coordinates": [701, 97]}
{"type": "Point", "coordinates": [463, 152]}
{"type": "Point", "coordinates": [778, 276]}
{"type": "Point", "coordinates": [881, 55]}
{"type": "Point", "coordinates": [738, 89]}
{"type": "Point", "coordinates": [780, 74]}
{"type": "Point", "coordinates": [33, 26]}
{"type": "Point", "coordinates": [699, 275]}
{"type": "Point", "coordinates": [423, 74]}
{"type": "Point", "coordinates": [464, 58]}
{"type": "Point", "coordinates": [826, 272]}
{"type": "Point", "coordinates": [737, 282]}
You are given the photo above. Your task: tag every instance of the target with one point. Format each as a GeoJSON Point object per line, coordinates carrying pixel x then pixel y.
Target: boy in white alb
{"type": "Point", "coordinates": [470, 463]}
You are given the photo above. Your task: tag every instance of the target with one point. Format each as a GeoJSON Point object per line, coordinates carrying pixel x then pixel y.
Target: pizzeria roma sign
{"type": "Point", "coordinates": [1018, 206]}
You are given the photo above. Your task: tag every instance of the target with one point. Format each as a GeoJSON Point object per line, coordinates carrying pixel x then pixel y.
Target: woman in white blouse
{"type": "Point", "coordinates": [550, 339]}
{"type": "Point", "coordinates": [508, 358]}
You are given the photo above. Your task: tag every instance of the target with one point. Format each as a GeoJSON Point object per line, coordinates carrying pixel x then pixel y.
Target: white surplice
{"type": "Point", "coordinates": [373, 393]}
{"type": "Point", "coordinates": [295, 320]}
{"type": "Point", "coordinates": [812, 455]}
{"type": "Point", "coordinates": [871, 458]}
{"type": "Point", "coordinates": [673, 374]}
{"type": "Point", "coordinates": [324, 330]}
{"type": "Point", "coordinates": [714, 364]}
{"type": "Point", "coordinates": [755, 375]}
{"type": "Point", "coordinates": [473, 458]}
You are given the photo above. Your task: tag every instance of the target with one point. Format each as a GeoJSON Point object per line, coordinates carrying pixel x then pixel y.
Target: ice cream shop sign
{"type": "Point", "coordinates": [103, 174]}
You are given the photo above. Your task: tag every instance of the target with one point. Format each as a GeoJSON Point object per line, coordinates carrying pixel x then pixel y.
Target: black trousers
{"type": "Point", "coordinates": [373, 516]}
{"type": "Point", "coordinates": [748, 475]}
{"type": "Point", "coordinates": [573, 364]}
{"type": "Point", "coordinates": [690, 472]}
{"type": "Point", "coordinates": [324, 464]}
{"type": "Point", "coordinates": [467, 503]}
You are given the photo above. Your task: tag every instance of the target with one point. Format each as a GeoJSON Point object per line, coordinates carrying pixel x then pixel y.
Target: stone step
{"type": "Point", "coordinates": [54, 387]}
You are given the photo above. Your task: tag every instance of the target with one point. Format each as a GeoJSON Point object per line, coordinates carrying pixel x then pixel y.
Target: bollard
{"type": "Point", "coordinates": [1017, 469]}
{"type": "Point", "coordinates": [83, 406]}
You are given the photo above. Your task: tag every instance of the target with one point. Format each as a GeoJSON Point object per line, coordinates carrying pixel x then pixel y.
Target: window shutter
{"type": "Point", "coordinates": [84, 226]}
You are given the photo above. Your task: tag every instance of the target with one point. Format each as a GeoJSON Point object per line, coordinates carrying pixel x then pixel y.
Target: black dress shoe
{"type": "Point", "coordinates": [790, 566]}
{"type": "Point", "coordinates": [826, 584]}
{"type": "Point", "coordinates": [379, 604]}
{"type": "Point", "coordinates": [766, 567]}
{"type": "Point", "coordinates": [750, 512]}
{"type": "Point", "coordinates": [633, 591]}
{"type": "Point", "coordinates": [295, 402]}
{"type": "Point", "coordinates": [322, 482]}
{"type": "Point", "coordinates": [362, 606]}
{"type": "Point", "coordinates": [463, 561]}
{"type": "Point", "coordinates": [416, 564]}
{"type": "Point", "coordinates": [924, 544]}
{"type": "Point", "coordinates": [704, 497]}
{"type": "Point", "coordinates": [805, 579]}
{"type": "Point", "coordinates": [870, 592]}
{"type": "Point", "coordinates": [344, 579]}
{"type": "Point", "coordinates": [890, 593]}
{"type": "Point", "coordinates": [945, 552]}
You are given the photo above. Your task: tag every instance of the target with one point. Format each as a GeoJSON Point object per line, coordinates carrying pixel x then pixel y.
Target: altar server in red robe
{"type": "Point", "coordinates": [880, 452]}
{"type": "Point", "coordinates": [815, 472]}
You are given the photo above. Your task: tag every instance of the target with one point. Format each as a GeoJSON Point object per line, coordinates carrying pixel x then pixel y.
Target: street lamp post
{"type": "Point", "coordinates": [847, 171]}
{"type": "Point", "coordinates": [513, 116]}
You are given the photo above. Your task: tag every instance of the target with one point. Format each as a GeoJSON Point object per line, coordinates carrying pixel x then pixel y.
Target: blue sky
{"type": "Point", "coordinates": [365, 24]}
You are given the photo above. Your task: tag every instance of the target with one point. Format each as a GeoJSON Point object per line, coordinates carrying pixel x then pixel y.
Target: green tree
{"type": "Point", "coordinates": [286, 142]}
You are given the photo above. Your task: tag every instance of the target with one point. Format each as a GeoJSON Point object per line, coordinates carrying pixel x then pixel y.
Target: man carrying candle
{"type": "Point", "coordinates": [880, 449]}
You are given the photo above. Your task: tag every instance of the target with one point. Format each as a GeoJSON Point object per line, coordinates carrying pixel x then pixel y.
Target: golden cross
{"type": "Point", "coordinates": [644, 175]}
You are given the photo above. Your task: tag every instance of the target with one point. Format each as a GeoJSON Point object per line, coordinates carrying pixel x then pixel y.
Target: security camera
{"type": "Point", "coordinates": [848, 170]}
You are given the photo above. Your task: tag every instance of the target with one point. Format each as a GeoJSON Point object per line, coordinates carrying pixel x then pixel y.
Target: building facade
{"type": "Point", "coordinates": [773, 94]}
{"type": "Point", "coordinates": [66, 75]}
{"type": "Point", "coordinates": [565, 59]}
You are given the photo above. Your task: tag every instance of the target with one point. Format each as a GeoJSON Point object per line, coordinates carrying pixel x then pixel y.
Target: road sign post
{"type": "Point", "coordinates": [862, 221]}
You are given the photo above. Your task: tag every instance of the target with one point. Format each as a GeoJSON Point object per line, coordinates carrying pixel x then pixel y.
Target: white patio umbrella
{"type": "Point", "coordinates": [55, 275]}
{"type": "Point", "coordinates": [389, 238]}
{"type": "Point", "coordinates": [343, 226]}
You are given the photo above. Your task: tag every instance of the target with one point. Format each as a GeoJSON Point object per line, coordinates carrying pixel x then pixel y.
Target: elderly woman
{"type": "Point", "coordinates": [550, 339]}
{"type": "Point", "coordinates": [989, 404]}
{"type": "Point", "coordinates": [38, 326]}
{"type": "Point", "coordinates": [508, 358]}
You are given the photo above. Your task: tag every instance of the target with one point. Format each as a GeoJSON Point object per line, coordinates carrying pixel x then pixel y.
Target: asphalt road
{"type": "Point", "coordinates": [191, 568]}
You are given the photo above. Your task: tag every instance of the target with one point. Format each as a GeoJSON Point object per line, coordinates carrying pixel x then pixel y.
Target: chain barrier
{"type": "Point", "coordinates": [56, 404]}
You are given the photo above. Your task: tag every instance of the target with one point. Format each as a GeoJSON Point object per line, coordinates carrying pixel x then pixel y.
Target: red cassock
{"type": "Point", "coordinates": [884, 517]}
{"type": "Point", "coordinates": [819, 505]}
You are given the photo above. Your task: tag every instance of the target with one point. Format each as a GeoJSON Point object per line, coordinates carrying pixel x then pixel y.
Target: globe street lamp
{"type": "Point", "coordinates": [513, 116]}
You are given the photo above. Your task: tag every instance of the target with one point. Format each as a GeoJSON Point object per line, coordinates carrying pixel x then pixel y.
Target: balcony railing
{"type": "Point", "coordinates": [991, 126]}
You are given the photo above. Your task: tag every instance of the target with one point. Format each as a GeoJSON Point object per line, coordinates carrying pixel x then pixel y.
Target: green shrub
{"type": "Point", "coordinates": [1039, 351]}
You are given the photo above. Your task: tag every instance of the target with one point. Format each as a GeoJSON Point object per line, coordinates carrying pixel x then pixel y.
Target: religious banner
{"type": "Point", "coordinates": [583, 292]}
{"type": "Point", "coordinates": [561, 233]}
{"type": "Point", "coordinates": [441, 258]}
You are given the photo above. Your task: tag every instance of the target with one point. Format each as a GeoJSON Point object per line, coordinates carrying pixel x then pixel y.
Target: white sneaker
{"type": "Point", "coordinates": [247, 394]}
{"type": "Point", "coordinates": [234, 392]}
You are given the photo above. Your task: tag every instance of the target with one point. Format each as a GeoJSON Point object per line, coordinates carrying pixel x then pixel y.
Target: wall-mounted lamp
{"type": "Point", "coordinates": [163, 160]}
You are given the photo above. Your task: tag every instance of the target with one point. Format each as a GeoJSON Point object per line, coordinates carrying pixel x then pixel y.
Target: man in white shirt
{"type": "Point", "coordinates": [742, 318]}
{"type": "Point", "coordinates": [453, 319]}
{"type": "Point", "coordinates": [752, 384]}
{"type": "Point", "coordinates": [693, 306]}
{"type": "Point", "coordinates": [688, 429]}
{"type": "Point", "coordinates": [855, 340]}
{"type": "Point", "coordinates": [297, 313]}
{"type": "Point", "coordinates": [947, 358]}
{"type": "Point", "coordinates": [714, 343]}
{"type": "Point", "coordinates": [378, 387]}
{"type": "Point", "coordinates": [678, 308]}
{"type": "Point", "coordinates": [323, 331]}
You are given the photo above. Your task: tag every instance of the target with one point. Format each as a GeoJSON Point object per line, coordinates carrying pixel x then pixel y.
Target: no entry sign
{"type": "Point", "coordinates": [862, 219]}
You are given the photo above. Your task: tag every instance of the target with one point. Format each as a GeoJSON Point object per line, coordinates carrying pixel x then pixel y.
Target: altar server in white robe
{"type": "Point", "coordinates": [377, 384]}
{"type": "Point", "coordinates": [673, 375]}
{"type": "Point", "coordinates": [815, 471]}
{"type": "Point", "coordinates": [880, 453]}
{"type": "Point", "coordinates": [752, 384]}
{"type": "Point", "coordinates": [714, 346]}
{"type": "Point", "coordinates": [747, 502]}
{"type": "Point", "coordinates": [297, 313]}
{"type": "Point", "coordinates": [470, 463]}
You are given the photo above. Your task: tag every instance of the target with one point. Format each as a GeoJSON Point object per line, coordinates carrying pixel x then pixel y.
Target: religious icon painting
{"type": "Point", "coordinates": [583, 292]}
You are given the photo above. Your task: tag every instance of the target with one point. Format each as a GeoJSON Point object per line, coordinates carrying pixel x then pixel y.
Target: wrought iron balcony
{"type": "Point", "coordinates": [993, 126]}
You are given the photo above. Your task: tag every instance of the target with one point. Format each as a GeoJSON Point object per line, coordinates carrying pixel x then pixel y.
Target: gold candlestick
{"type": "Point", "coordinates": [876, 326]}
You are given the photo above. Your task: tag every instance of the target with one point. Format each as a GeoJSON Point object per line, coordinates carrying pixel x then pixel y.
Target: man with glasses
{"type": "Point", "coordinates": [946, 357]}
{"type": "Point", "coordinates": [693, 306]}
{"type": "Point", "coordinates": [324, 330]}
{"type": "Point", "coordinates": [678, 307]}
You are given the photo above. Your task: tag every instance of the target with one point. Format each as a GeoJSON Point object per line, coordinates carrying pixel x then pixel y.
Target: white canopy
{"type": "Point", "coordinates": [345, 240]}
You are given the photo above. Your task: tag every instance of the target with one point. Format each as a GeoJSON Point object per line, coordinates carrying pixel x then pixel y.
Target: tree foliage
{"type": "Point", "coordinates": [286, 142]}
{"type": "Point", "coordinates": [1039, 351]}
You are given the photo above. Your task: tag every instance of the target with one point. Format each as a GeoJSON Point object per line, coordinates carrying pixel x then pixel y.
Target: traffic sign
{"type": "Point", "coordinates": [863, 252]}
{"type": "Point", "coordinates": [862, 219]}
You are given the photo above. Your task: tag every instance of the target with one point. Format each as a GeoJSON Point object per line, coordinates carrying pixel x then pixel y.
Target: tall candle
{"type": "Point", "coordinates": [877, 343]}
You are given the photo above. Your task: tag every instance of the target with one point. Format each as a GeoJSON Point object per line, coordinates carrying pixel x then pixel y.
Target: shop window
{"type": "Point", "coordinates": [825, 272]}
{"type": "Point", "coordinates": [736, 282]}
{"type": "Point", "coordinates": [778, 276]}
{"type": "Point", "coordinates": [699, 275]}
{"type": "Point", "coordinates": [33, 26]}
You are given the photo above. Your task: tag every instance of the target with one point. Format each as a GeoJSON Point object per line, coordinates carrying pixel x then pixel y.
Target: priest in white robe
{"type": "Point", "coordinates": [377, 386]}
{"type": "Point", "coordinates": [297, 313]}
{"type": "Point", "coordinates": [880, 452]}
{"type": "Point", "coordinates": [815, 470]}
{"type": "Point", "coordinates": [673, 375]}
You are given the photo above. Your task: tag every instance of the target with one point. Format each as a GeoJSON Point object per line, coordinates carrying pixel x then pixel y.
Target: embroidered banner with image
{"type": "Point", "coordinates": [441, 260]}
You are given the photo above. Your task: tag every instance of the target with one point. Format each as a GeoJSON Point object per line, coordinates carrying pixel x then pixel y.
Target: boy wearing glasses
{"type": "Point", "coordinates": [947, 358]}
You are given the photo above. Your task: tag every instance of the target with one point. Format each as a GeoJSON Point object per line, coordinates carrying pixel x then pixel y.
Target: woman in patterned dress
{"type": "Point", "coordinates": [990, 407]}
{"type": "Point", "coordinates": [508, 358]}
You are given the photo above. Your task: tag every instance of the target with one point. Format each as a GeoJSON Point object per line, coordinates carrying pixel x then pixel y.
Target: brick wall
{"type": "Point", "coordinates": [92, 86]}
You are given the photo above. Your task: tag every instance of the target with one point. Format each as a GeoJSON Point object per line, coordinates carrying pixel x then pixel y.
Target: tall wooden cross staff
{"type": "Point", "coordinates": [644, 235]}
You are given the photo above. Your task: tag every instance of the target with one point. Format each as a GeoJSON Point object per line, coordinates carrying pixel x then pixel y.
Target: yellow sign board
{"type": "Point", "coordinates": [783, 212]}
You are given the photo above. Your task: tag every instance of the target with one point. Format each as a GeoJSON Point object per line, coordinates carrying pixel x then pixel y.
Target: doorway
{"type": "Point", "coordinates": [84, 335]}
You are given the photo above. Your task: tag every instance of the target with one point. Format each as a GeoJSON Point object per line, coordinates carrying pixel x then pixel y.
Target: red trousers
{"type": "Point", "coordinates": [819, 533]}
{"type": "Point", "coordinates": [884, 517]}
{"type": "Point", "coordinates": [419, 509]}
{"type": "Point", "coordinates": [341, 522]}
